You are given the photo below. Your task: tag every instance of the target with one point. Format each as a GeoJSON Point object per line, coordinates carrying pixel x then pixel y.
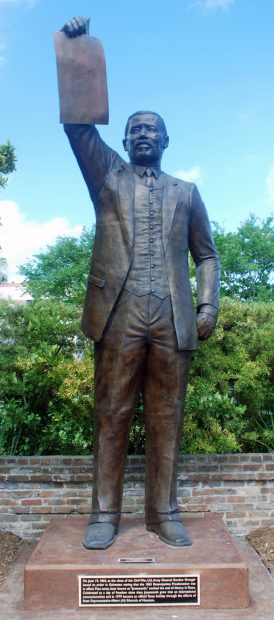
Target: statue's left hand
{"type": "Point", "coordinates": [205, 325]}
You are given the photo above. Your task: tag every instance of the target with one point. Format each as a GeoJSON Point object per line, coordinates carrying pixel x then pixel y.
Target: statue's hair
{"type": "Point", "coordinates": [145, 112]}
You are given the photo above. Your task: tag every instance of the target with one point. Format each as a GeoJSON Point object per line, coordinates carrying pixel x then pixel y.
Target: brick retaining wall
{"type": "Point", "coordinates": [37, 489]}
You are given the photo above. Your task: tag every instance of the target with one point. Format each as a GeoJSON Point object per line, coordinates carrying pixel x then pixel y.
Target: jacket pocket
{"type": "Point", "coordinates": [96, 281]}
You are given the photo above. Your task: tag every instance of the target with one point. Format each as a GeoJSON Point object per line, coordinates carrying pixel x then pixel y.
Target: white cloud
{"type": "Point", "coordinates": [209, 5]}
{"type": "Point", "coordinates": [194, 174]}
{"type": "Point", "coordinates": [270, 184]}
{"type": "Point", "coordinates": [20, 237]}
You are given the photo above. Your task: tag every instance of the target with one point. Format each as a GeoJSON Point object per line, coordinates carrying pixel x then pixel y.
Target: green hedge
{"type": "Point", "coordinates": [46, 383]}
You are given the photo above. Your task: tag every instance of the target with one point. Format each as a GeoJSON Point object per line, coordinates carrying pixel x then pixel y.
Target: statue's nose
{"type": "Point", "coordinates": [143, 131]}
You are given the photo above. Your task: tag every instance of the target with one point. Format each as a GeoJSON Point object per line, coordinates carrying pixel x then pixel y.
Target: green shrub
{"type": "Point", "coordinates": [47, 390]}
{"type": "Point", "coordinates": [46, 380]}
{"type": "Point", "coordinates": [231, 383]}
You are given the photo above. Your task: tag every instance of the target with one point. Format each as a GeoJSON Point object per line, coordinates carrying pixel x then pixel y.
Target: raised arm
{"type": "Point", "coordinates": [93, 156]}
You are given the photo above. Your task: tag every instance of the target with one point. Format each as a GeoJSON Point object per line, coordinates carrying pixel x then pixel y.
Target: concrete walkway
{"type": "Point", "coordinates": [261, 594]}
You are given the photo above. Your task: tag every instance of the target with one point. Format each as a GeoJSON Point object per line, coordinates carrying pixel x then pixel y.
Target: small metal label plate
{"type": "Point", "coordinates": [137, 590]}
{"type": "Point", "coordinates": [136, 560]}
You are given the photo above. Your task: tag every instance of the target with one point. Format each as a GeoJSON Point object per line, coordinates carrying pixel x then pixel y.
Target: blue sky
{"type": "Point", "coordinates": [207, 66]}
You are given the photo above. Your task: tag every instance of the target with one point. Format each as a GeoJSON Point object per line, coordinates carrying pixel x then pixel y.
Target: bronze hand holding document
{"type": "Point", "coordinates": [138, 308]}
{"type": "Point", "coordinates": [81, 74]}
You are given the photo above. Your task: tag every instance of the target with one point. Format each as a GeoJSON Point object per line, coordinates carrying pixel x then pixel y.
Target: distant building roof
{"type": "Point", "coordinates": [14, 291]}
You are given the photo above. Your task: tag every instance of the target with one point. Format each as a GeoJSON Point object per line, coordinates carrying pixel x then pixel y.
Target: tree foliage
{"type": "Point", "coordinates": [247, 259]}
{"type": "Point", "coordinates": [230, 396]}
{"type": "Point", "coordinates": [60, 272]}
{"type": "Point", "coordinates": [7, 165]}
{"type": "Point", "coordinates": [46, 383]}
{"type": "Point", "coordinates": [3, 269]}
{"type": "Point", "coordinates": [46, 380]}
{"type": "Point", "coordinates": [7, 162]}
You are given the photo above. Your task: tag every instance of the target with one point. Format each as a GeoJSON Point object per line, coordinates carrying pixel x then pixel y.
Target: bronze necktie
{"type": "Point", "coordinates": [149, 175]}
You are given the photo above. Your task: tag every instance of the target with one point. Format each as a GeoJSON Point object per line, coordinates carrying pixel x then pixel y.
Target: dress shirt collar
{"type": "Point", "coordinates": [140, 170]}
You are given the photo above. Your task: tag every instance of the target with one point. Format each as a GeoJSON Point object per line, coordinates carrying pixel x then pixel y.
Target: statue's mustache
{"type": "Point", "coordinates": [144, 142]}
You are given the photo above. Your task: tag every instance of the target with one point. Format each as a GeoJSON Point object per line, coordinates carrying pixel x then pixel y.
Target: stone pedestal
{"type": "Point", "coordinates": [52, 573]}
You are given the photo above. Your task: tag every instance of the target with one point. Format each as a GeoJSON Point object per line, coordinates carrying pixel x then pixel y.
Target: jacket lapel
{"type": "Point", "coordinates": [126, 200]}
{"type": "Point", "coordinates": [172, 192]}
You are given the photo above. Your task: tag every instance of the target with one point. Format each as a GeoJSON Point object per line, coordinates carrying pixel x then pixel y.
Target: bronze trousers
{"type": "Point", "coordinates": [138, 352]}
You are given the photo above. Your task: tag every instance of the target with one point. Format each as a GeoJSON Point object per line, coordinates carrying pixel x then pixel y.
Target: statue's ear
{"type": "Point", "coordinates": [166, 142]}
{"type": "Point", "coordinates": [125, 144]}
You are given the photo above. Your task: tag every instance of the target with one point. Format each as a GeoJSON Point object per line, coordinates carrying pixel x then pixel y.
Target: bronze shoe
{"type": "Point", "coordinates": [172, 533]}
{"type": "Point", "coordinates": [99, 535]}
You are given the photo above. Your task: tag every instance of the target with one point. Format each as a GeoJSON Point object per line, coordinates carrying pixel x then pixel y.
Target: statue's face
{"type": "Point", "coordinates": [145, 140]}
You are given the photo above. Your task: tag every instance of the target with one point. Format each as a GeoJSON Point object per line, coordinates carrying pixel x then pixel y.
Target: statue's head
{"type": "Point", "coordinates": [145, 138]}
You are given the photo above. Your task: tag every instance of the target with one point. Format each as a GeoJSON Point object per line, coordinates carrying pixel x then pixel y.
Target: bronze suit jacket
{"type": "Point", "coordinates": [186, 227]}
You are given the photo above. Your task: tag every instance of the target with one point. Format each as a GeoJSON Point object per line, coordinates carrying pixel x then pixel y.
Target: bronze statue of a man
{"type": "Point", "coordinates": [138, 310]}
